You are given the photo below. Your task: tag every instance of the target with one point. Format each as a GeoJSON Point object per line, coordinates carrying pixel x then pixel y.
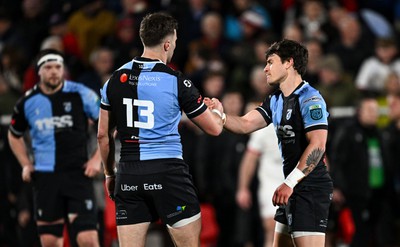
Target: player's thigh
{"type": "Point", "coordinates": [187, 235]}
{"type": "Point", "coordinates": [282, 240]}
{"type": "Point", "coordinates": [132, 235]}
{"type": "Point", "coordinates": [310, 241]}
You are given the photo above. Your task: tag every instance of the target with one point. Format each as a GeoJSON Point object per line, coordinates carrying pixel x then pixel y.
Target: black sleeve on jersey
{"type": "Point", "coordinates": [265, 110]}
{"type": "Point", "coordinates": [18, 122]}
{"type": "Point", "coordinates": [189, 97]}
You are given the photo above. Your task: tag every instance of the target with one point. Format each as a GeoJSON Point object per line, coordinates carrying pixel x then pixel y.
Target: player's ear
{"type": "Point", "coordinates": [167, 44]}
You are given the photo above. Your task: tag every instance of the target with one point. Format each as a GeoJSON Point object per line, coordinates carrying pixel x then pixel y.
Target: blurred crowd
{"type": "Point", "coordinates": [353, 61]}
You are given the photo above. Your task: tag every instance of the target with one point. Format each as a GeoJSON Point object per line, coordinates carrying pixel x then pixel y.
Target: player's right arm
{"type": "Point", "coordinates": [18, 147]}
{"type": "Point", "coordinates": [246, 124]}
{"type": "Point", "coordinates": [16, 131]}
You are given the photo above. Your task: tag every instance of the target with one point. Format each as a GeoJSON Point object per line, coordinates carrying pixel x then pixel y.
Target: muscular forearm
{"type": "Point", "coordinates": [19, 149]}
{"type": "Point", "coordinates": [246, 124]}
{"type": "Point", "coordinates": [107, 149]}
{"type": "Point", "coordinates": [310, 158]}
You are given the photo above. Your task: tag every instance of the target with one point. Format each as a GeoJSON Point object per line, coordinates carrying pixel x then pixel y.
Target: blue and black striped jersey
{"type": "Point", "coordinates": [58, 125]}
{"type": "Point", "coordinates": [293, 116]}
{"type": "Point", "coordinates": [146, 98]}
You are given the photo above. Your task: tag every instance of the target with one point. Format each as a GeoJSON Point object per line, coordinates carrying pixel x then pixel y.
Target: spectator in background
{"type": "Point", "coordinates": [91, 24]}
{"type": "Point", "coordinates": [358, 148]}
{"type": "Point", "coordinates": [375, 69]}
{"type": "Point", "coordinates": [313, 20]}
{"type": "Point", "coordinates": [32, 26]}
{"type": "Point", "coordinates": [101, 67]}
{"type": "Point", "coordinates": [71, 48]}
{"type": "Point", "coordinates": [258, 84]}
{"type": "Point", "coordinates": [352, 47]}
{"type": "Point", "coordinates": [11, 66]}
{"type": "Point", "coordinates": [190, 14]}
{"type": "Point", "coordinates": [211, 37]}
{"type": "Point", "coordinates": [214, 84]}
{"type": "Point", "coordinates": [315, 54]}
{"type": "Point", "coordinates": [124, 41]}
{"type": "Point", "coordinates": [293, 31]}
{"type": "Point", "coordinates": [337, 89]}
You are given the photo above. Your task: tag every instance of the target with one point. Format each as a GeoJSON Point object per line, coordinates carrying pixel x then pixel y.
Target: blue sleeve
{"type": "Point", "coordinates": [313, 110]}
{"type": "Point", "coordinates": [104, 103]}
{"type": "Point", "coordinates": [90, 101]}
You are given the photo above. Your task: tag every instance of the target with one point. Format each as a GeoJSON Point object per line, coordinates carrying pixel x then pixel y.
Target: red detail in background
{"type": "Point", "coordinates": [199, 99]}
{"type": "Point", "coordinates": [123, 78]}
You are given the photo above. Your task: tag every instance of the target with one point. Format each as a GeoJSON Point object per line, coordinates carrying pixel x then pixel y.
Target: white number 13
{"type": "Point", "coordinates": [146, 111]}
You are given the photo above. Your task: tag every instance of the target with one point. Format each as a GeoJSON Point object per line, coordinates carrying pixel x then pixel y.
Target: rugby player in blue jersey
{"type": "Point", "coordinates": [56, 112]}
{"type": "Point", "coordinates": [298, 113]}
{"type": "Point", "coordinates": [143, 101]}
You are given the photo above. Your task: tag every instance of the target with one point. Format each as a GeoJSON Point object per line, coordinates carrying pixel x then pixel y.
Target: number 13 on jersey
{"type": "Point", "coordinates": [145, 109]}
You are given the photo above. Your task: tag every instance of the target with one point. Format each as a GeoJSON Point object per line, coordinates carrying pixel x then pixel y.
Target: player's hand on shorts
{"type": "Point", "coordinates": [110, 186]}
{"type": "Point", "coordinates": [243, 198]}
{"type": "Point", "coordinates": [281, 195]}
{"type": "Point", "coordinates": [27, 173]}
{"type": "Point", "coordinates": [92, 167]}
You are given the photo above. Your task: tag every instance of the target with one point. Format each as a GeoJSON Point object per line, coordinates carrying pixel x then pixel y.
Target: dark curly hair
{"type": "Point", "coordinates": [287, 49]}
{"type": "Point", "coordinates": [155, 27]}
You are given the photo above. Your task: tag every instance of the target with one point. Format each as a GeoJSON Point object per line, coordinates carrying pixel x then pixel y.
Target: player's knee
{"type": "Point", "coordinates": [54, 229]}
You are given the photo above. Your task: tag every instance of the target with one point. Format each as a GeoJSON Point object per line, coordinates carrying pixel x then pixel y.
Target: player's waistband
{"type": "Point", "coordinates": [150, 166]}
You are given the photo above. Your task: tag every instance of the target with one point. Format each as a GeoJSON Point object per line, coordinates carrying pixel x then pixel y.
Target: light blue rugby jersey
{"type": "Point", "coordinates": [146, 98]}
{"type": "Point", "coordinates": [58, 125]}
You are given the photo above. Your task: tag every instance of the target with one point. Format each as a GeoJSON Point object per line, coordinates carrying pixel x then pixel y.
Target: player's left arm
{"type": "Point", "coordinates": [314, 151]}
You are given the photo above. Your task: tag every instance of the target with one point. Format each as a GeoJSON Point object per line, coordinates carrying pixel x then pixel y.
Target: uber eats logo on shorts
{"type": "Point", "coordinates": [146, 186]}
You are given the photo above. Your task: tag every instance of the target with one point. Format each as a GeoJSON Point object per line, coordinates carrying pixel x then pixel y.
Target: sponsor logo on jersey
{"type": "Point", "coordinates": [67, 106]}
{"type": "Point", "coordinates": [313, 98]}
{"type": "Point", "coordinates": [56, 122]}
{"type": "Point", "coordinates": [316, 112]}
{"type": "Point", "coordinates": [288, 114]}
{"type": "Point", "coordinates": [123, 78]}
{"type": "Point", "coordinates": [187, 83]}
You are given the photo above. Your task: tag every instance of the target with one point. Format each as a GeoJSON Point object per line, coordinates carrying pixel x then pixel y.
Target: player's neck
{"type": "Point", "coordinates": [49, 90]}
{"type": "Point", "coordinates": [154, 53]}
{"type": "Point", "coordinates": [290, 84]}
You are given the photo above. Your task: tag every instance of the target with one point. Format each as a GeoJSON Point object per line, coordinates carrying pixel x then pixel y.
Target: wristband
{"type": "Point", "coordinates": [221, 115]}
{"type": "Point", "coordinates": [110, 176]}
{"type": "Point", "coordinates": [294, 177]}
{"type": "Point", "coordinates": [218, 112]}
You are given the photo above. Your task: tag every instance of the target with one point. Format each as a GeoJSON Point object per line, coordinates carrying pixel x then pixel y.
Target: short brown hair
{"type": "Point", "coordinates": [155, 27]}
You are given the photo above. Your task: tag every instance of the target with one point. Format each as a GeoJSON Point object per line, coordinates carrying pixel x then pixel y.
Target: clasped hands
{"type": "Point", "coordinates": [213, 103]}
